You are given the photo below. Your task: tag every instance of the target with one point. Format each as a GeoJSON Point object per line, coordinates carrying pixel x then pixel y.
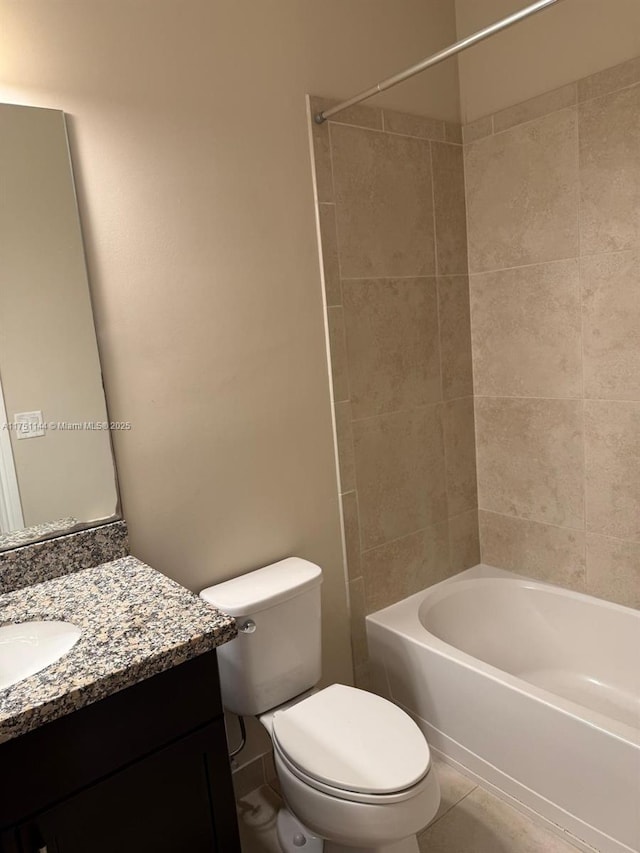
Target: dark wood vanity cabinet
{"type": "Point", "coordinates": [145, 770]}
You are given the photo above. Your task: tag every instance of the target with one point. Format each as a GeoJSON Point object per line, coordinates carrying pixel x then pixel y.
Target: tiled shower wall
{"type": "Point", "coordinates": [390, 194]}
{"type": "Point", "coordinates": [553, 200]}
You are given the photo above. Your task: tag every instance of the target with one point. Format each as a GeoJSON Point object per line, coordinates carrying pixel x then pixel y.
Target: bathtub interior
{"type": "Point", "coordinates": [571, 645]}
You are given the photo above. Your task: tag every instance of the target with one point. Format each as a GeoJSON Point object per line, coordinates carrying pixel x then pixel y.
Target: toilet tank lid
{"type": "Point", "coordinates": [263, 588]}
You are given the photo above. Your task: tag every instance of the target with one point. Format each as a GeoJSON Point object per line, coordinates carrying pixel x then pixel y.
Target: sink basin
{"type": "Point", "coordinates": [28, 647]}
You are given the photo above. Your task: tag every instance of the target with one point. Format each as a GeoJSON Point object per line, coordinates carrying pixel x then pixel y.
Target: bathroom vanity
{"type": "Point", "coordinates": [120, 744]}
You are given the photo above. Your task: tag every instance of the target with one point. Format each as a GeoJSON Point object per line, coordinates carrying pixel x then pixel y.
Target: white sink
{"type": "Point", "coordinates": [28, 647]}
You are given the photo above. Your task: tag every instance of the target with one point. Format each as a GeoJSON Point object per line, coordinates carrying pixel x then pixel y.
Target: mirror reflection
{"type": "Point", "coordinates": [56, 465]}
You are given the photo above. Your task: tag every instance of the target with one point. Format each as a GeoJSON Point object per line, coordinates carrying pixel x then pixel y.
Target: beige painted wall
{"type": "Point", "coordinates": [48, 354]}
{"type": "Point", "coordinates": [568, 41]}
{"type": "Point", "coordinates": [190, 138]}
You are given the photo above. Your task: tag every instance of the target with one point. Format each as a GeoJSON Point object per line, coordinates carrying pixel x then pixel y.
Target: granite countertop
{"type": "Point", "coordinates": [135, 623]}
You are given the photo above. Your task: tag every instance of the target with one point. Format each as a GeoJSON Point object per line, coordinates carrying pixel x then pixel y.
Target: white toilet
{"type": "Point", "coordinates": [354, 769]}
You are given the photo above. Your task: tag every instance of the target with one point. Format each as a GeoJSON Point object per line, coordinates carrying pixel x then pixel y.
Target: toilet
{"type": "Point", "coordinates": [354, 769]}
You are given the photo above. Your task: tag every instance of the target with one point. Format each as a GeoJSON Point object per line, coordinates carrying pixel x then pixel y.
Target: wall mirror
{"type": "Point", "coordinates": [57, 471]}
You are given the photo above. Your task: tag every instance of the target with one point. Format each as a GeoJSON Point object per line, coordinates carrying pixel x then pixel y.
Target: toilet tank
{"type": "Point", "coordinates": [280, 657]}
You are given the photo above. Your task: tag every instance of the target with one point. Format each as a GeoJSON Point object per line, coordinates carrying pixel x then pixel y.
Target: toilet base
{"type": "Point", "coordinates": [295, 837]}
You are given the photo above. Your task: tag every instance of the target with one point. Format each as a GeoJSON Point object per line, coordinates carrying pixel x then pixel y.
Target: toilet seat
{"type": "Point", "coordinates": [349, 796]}
{"type": "Point", "coordinates": [353, 745]}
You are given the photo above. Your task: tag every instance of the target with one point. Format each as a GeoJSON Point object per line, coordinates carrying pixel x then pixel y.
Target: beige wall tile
{"type": "Point", "coordinates": [358, 629]}
{"type": "Point", "coordinates": [392, 344]}
{"type": "Point", "coordinates": [477, 129]}
{"type": "Point", "coordinates": [544, 104]}
{"type": "Point", "coordinates": [322, 161]}
{"type": "Point", "coordinates": [450, 209]}
{"type": "Point", "coordinates": [612, 455]}
{"type": "Point", "coordinates": [613, 570]}
{"type": "Point", "coordinates": [526, 331]}
{"type": "Point", "coordinates": [270, 774]}
{"type": "Point", "coordinates": [522, 194]}
{"type": "Point", "coordinates": [611, 299]}
{"type": "Point", "coordinates": [330, 266]}
{"type": "Point", "coordinates": [360, 115]}
{"type": "Point", "coordinates": [460, 455]}
{"type": "Point", "coordinates": [344, 440]}
{"type": "Point", "coordinates": [455, 336]}
{"type": "Point", "coordinates": [541, 551]}
{"type": "Point", "coordinates": [383, 203]}
{"type": "Point", "coordinates": [609, 80]}
{"type": "Point", "coordinates": [453, 132]}
{"type": "Point", "coordinates": [530, 459]}
{"type": "Point", "coordinates": [352, 534]}
{"type": "Point", "coordinates": [413, 125]}
{"type": "Point", "coordinates": [363, 677]}
{"type": "Point", "coordinates": [464, 541]}
{"type": "Point", "coordinates": [400, 473]}
{"type": "Point", "coordinates": [248, 778]}
{"type": "Point", "coordinates": [338, 351]}
{"type": "Point", "coordinates": [610, 172]}
{"type": "Point", "coordinates": [405, 566]}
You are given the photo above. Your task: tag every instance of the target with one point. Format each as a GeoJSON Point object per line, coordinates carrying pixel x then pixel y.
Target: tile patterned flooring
{"type": "Point", "coordinates": [470, 820]}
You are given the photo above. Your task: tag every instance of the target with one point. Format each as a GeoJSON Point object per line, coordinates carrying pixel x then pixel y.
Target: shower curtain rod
{"type": "Point", "coordinates": [452, 50]}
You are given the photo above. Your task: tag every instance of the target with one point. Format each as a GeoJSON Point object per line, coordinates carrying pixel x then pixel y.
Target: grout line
{"type": "Point", "coordinates": [557, 399]}
{"type": "Point", "coordinates": [605, 94]}
{"type": "Point", "coordinates": [576, 258]}
{"type": "Point", "coordinates": [613, 538]}
{"type": "Point", "coordinates": [404, 536]}
{"type": "Point", "coordinates": [465, 512]}
{"type": "Point", "coordinates": [532, 520]}
{"type": "Point", "coordinates": [418, 530]}
{"type": "Point", "coordinates": [437, 269]}
{"type": "Point", "coordinates": [418, 408]}
{"type": "Point", "coordinates": [390, 277]}
{"type": "Point", "coordinates": [443, 140]}
{"type": "Point", "coordinates": [433, 210]}
{"type": "Point", "coordinates": [452, 807]}
{"type": "Point", "coordinates": [582, 360]}
{"type": "Point", "coordinates": [335, 223]}
{"type": "Point", "coordinates": [632, 248]}
{"type": "Point", "coordinates": [530, 120]}
{"type": "Point", "coordinates": [444, 422]}
{"type": "Point", "coordinates": [471, 347]}
{"type": "Point", "coordinates": [575, 105]}
{"type": "Point", "coordinates": [586, 530]}
{"type": "Point", "coordinates": [494, 270]}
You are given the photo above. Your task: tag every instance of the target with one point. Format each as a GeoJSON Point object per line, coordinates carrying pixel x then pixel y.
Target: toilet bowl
{"type": "Point", "coordinates": [382, 826]}
{"type": "Point", "coordinates": [354, 769]}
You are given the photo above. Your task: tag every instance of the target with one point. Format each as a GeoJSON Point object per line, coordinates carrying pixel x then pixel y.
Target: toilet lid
{"type": "Point", "coordinates": [353, 740]}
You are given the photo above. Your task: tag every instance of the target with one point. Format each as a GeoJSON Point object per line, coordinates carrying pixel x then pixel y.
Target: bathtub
{"type": "Point", "coordinates": [533, 689]}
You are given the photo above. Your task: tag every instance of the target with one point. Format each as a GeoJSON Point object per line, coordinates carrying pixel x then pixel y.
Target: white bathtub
{"type": "Point", "coordinates": [532, 688]}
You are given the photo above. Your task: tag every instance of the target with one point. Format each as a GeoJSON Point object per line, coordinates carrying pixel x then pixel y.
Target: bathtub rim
{"type": "Point", "coordinates": [407, 611]}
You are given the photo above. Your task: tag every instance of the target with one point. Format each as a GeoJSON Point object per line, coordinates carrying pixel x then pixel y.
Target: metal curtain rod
{"type": "Point", "coordinates": [452, 50]}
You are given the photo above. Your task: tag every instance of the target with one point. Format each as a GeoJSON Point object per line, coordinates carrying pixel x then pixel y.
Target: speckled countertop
{"type": "Point", "coordinates": [135, 623]}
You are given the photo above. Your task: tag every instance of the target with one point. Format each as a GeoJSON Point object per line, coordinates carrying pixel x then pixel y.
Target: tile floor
{"type": "Point", "coordinates": [470, 820]}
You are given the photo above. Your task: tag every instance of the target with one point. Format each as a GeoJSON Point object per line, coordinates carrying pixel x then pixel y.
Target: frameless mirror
{"type": "Point", "coordinates": [56, 466]}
